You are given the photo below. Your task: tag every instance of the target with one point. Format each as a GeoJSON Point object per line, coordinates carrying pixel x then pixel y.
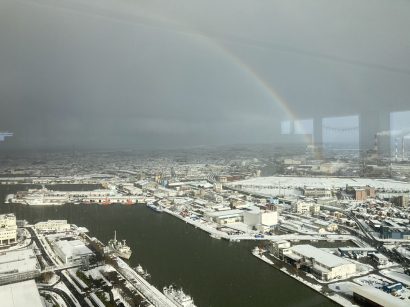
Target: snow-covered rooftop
{"type": "Point", "coordinates": [73, 248]}
{"type": "Point", "coordinates": [324, 182]}
{"type": "Point", "coordinates": [20, 294]}
{"type": "Point", "coordinates": [320, 256]}
{"type": "Point", "coordinates": [23, 260]}
{"type": "Point", "coordinates": [378, 296]}
{"type": "Point", "coordinates": [224, 213]}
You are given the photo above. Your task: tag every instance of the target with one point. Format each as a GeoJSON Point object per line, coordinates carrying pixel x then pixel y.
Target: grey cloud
{"type": "Point", "coordinates": [152, 73]}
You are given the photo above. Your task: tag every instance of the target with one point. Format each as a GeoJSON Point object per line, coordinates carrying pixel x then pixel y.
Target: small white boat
{"type": "Point", "coordinates": [156, 208]}
{"type": "Point", "coordinates": [178, 297]}
{"type": "Point", "coordinates": [139, 270]}
{"type": "Point", "coordinates": [142, 272]}
{"type": "Point", "coordinates": [215, 236]}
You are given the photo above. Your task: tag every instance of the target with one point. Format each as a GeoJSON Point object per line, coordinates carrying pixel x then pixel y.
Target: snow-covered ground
{"type": "Point", "coordinates": [259, 254]}
{"type": "Point", "coordinates": [341, 300]}
{"type": "Point", "coordinates": [373, 280]}
{"type": "Point", "coordinates": [397, 275]}
{"type": "Point", "coordinates": [117, 295]}
{"type": "Point", "coordinates": [63, 287]}
{"type": "Point", "coordinates": [342, 287]}
{"type": "Point", "coordinates": [378, 282]}
{"type": "Point", "coordinates": [211, 228]}
{"type": "Point", "coordinates": [287, 185]}
{"type": "Point", "coordinates": [56, 298]}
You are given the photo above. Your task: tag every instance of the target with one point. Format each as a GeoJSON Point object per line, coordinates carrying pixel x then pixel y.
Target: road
{"type": "Point", "coordinates": [79, 296]}
{"type": "Point", "coordinates": [151, 293]}
{"type": "Point", "coordinates": [66, 298]}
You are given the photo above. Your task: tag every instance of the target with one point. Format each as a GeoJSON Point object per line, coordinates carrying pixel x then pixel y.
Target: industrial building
{"type": "Point", "coordinates": [117, 199]}
{"type": "Point", "coordinates": [146, 184]}
{"type": "Point", "coordinates": [71, 251]}
{"type": "Point", "coordinates": [316, 192]}
{"type": "Point", "coordinates": [277, 248]}
{"type": "Point", "coordinates": [53, 226]}
{"type": "Point", "coordinates": [8, 229]}
{"type": "Point", "coordinates": [332, 227]}
{"type": "Point", "coordinates": [299, 224]}
{"type": "Point", "coordinates": [356, 252]}
{"type": "Point", "coordinates": [394, 232]}
{"type": "Point", "coordinates": [307, 208]}
{"type": "Point", "coordinates": [47, 197]}
{"type": "Point", "coordinates": [370, 296]}
{"type": "Point", "coordinates": [18, 265]}
{"type": "Point", "coordinates": [225, 217]}
{"type": "Point", "coordinates": [401, 201]}
{"type": "Point", "coordinates": [322, 264]}
{"type": "Point", "coordinates": [260, 219]}
{"type": "Point", "coordinates": [380, 258]}
{"type": "Point", "coordinates": [361, 193]}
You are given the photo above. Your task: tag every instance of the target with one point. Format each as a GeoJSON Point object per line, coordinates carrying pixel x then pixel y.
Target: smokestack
{"type": "Point", "coordinates": [376, 145]}
{"type": "Point", "coordinates": [402, 148]}
{"type": "Point", "coordinates": [396, 149]}
{"type": "Point", "coordinates": [375, 142]}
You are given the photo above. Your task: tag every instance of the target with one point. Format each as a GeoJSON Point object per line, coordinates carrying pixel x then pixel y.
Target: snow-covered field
{"type": "Point", "coordinates": [276, 184]}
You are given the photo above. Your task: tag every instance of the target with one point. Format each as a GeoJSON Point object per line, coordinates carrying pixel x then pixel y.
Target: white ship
{"type": "Point", "coordinates": [215, 236]}
{"type": "Point", "coordinates": [40, 197]}
{"type": "Point", "coordinates": [178, 297]}
{"type": "Point", "coordinates": [153, 206]}
{"type": "Point", "coordinates": [121, 249]}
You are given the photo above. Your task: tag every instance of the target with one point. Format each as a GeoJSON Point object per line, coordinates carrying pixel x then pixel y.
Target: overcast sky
{"type": "Point", "coordinates": [168, 73]}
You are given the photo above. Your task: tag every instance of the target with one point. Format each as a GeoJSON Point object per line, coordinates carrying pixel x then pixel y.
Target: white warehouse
{"type": "Point", "coordinates": [323, 264]}
{"type": "Point", "coordinates": [261, 220]}
{"type": "Point", "coordinates": [71, 251]}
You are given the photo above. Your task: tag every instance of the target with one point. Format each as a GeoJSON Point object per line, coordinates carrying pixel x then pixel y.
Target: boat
{"type": "Point", "coordinates": [121, 249]}
{"type": "Point", "coordinates": [142, 272]}
{"type": "Point", "coordinates": [139, 269]}
{"type": "Point", "coordinates": [178, 297]}
{"type": "Point", "coordinates": [156, 208]}
{"type": "Point", "coordinates": [215, 236]}
{"type": "Point", "coordinates": [234, 240]}
{"type": "Point", "coordinates": [146, 275]}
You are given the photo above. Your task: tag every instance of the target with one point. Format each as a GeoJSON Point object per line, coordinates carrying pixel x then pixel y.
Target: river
{"type": "Point", "coordinates": [214, 272]}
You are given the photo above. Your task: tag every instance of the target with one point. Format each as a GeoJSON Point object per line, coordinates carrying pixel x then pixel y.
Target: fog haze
{"type": "Point", "coordinates": [176, 73]}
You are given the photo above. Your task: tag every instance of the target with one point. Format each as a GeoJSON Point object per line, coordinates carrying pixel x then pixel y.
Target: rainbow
{"type": "Point", "coordinates": [256, 77]}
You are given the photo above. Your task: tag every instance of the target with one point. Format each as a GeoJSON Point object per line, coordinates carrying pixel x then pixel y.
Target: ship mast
{"type": "Point", "coordinates": [115, 235]}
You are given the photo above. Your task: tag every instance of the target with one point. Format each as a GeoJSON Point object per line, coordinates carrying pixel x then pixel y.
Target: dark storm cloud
{"type": "Point", "coordinates": [161, 73]}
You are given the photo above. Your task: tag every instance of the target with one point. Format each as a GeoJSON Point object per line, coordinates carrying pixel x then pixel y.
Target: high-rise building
{"type": "Point", "coordinates": [8, 229]}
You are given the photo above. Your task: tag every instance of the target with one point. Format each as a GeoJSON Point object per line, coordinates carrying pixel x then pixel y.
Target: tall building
{"type": "Point", "coordinates": [361, 193]}
{"type": "Point", "coordinates": [8, 229]}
